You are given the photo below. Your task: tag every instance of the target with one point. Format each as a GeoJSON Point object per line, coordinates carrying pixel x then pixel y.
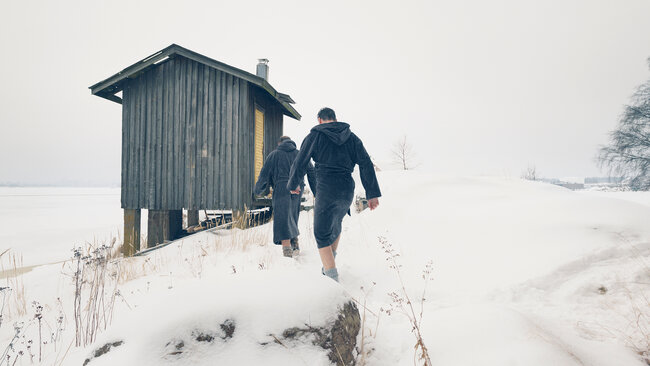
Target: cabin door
{"type": "Point", "coordinates": [259, 141]}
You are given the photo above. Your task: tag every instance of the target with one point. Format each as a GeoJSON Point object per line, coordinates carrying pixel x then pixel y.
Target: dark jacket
{"type": "Point", "coordinates": [335, 151]}
{"type": "Point", "coordinates": [276, 169]}
{"type": "Point", "coordinates": [286, 206]}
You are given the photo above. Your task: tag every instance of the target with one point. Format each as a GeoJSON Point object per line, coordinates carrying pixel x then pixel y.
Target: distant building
{"type": "Point", "coordinates": [571, 183]}
{"type": "Point", "coordinates": [571, 186]}
{"type": "Point", "coordinates": [195, 133]}
{"type": "Point", "coordinates": [604, 180]}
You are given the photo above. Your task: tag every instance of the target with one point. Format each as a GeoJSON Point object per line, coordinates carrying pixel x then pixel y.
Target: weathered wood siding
{"type": "Point", "coordinates": [187, 138]}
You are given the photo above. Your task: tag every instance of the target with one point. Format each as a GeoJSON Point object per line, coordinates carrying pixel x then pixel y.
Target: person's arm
{"type": "Point", "coordinates": [367, 171]}
{"type": "Point", "coordinates": [299, 166]}
{"type": "Point", "coordinates": [264, 180]}
{"type": "Point", "coordinates": [311, 177]}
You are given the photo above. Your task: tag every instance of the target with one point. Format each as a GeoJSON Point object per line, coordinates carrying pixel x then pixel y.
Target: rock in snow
{"type": "Point", "coordinates": [263, 313]}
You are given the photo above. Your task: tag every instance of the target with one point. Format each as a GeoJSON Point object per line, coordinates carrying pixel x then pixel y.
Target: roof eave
{"type": "Point", "coordinates": [290, 111]}
{"type": "Point", "coordinates": [104, 90]}
{"type": "Point", "coordinates": [111, 97]}
{"type": "Point", "coordinates": [100, 87]}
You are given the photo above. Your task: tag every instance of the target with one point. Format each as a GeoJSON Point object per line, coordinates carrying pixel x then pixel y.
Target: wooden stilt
{"type": "Point", "coordinates": [157, 227]}
{"type": "Point", "coordinates": [131, 232]}
{"type": "Point", "coordinates": [175, 224]}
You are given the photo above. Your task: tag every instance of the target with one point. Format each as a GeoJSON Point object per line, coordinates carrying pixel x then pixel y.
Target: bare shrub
{"type": "Point", "coordinates": [31, 337]}
{"type": "Point", "coordinates": [404, 154]}
{"type": "Point", "coordinates": [95, 277]}
{"type": "Point", "coordinates": [11, 351]}
{"type": "Point", "coordinates": [530, 173]}
{"type": "Point", "coordinates": [401, 301]}
{"type": "Point", "coordinates": [38, 315]}
{"type": "Point", "coordinates": [55, 336]}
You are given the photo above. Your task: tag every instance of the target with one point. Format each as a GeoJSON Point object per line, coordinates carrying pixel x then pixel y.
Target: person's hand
{"type": "Point", "coordinates": [296, 191]}
{"type": "Point", "coordinates": [373, 203]}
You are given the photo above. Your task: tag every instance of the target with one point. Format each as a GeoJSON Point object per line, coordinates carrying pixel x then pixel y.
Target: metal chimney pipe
{"type": "Point", "coordinates": [263, 68]}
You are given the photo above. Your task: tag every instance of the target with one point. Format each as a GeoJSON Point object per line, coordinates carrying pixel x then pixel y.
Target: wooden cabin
{"type": "Point", "coordinates": [195, 133]}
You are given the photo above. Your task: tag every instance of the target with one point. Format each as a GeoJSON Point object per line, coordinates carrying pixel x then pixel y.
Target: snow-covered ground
{"type": "Point", "coordinates": [524, 273]}
{"type": "Point", "coordinates": [642, 197]}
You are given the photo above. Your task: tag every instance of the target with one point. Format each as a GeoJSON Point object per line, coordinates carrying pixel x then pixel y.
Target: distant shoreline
{"type": "Point", "coordinates": [58, 195]}
{"type": "Point", "coordinates": [15, 272]}
{"type": "Point", "coordinates": [19, 185]}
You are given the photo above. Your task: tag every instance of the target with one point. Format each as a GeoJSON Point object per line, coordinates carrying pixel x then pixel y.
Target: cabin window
{"type": "Point", "coordinates": [259, 141]}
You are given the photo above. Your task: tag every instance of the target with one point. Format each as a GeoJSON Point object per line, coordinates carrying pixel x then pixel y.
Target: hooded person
{"type": "Point", "coordinates": [335, 151]}
{"type": "Point", "coordinates": [286, 206]}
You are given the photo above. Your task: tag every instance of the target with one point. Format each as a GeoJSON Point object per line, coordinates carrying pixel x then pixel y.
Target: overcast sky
{"type": "Point", "coordinates": [478, 87]}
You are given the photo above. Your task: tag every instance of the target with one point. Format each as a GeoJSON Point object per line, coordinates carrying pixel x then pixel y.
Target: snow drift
{"type": "Point", "coordinates": [525, 273]}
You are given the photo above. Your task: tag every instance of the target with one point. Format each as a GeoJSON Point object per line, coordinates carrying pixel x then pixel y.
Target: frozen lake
{"type": "Point", "coordinates": [44, 224]}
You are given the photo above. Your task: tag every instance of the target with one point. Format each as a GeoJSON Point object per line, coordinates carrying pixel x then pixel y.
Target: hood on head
{"type": "Point", "coordinates": [287, 145]}
{"type": "Point", "coordinates": [338, 132]}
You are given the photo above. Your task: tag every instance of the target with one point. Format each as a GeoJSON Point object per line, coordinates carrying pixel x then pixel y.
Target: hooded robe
{"type": "Point", "coordinates": [335, 151]}
{"type": "Point", "coordinates": [286, 206]}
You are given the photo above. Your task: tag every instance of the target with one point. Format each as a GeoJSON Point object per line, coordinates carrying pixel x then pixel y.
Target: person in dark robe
{"type": "Point", "coordinates": [335, 151]}
{"type": "Point", "coordinates": [286, 206]}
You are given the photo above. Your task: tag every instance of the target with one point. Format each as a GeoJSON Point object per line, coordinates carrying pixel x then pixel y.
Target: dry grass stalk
{"type": "Point", "coordinates": [402, 301]}
{"type": "Point", "coordinates": [364, 351]}
{"type": "Point", "coordinates": [17, 303]}
{"type": "Point", "coordinates": [96, 274]}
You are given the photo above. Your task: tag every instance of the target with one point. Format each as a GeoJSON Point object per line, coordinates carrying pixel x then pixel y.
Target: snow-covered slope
{"type": "Point", "coordinates": [642, 197]}
{"type": "Point", "coordinates": [524, 273]}
{"type": "Point", "coordinates": [518, 267]}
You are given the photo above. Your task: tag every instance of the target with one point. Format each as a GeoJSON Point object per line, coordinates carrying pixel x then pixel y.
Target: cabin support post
{"type": "Point", "coordinates": [157, 227]}
{"type": "Point", "coordinates": [131, 232]}
{"type": "Point", "coordinates": [175, 224]}
{"type": "Point", "coordinates": [163, 225]}
{"type": "Point", "coordinates": [192, 218]}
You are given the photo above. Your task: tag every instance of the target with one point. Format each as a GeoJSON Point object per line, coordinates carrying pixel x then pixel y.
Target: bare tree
{"type": "Point", "coordinates": [530, 173]}
{"type": "Point", "coordinates": [628, 153]}
{"type": "Point", "coordinates": [403, 154]}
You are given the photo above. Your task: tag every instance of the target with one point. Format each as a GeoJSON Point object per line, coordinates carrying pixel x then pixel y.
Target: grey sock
{"type": "Point", "coordinates": [322, 269]}
{"type": "Point", "coordinates": [332, 273]}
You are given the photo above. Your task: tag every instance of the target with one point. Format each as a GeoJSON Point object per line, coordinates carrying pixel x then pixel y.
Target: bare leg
{"type": "Point", "coordinates": [335, 245]}
{"type": "Point", "coordinates": [286, 243]}
{"type": "Point", "coordinates": [327, 254]}
{"type": "Point", "coordinates": [327, 257]}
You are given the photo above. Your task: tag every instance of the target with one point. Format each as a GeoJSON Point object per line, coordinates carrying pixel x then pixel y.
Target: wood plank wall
{"type": "Point", "coordinates": [187, 138]}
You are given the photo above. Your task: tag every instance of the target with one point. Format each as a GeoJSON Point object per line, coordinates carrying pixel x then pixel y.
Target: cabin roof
{"type": "Point", "coordinates": [109, 87]}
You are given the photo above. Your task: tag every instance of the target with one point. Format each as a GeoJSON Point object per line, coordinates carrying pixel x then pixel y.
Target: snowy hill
{"type": "Point", "coordinates": [524, 273]}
